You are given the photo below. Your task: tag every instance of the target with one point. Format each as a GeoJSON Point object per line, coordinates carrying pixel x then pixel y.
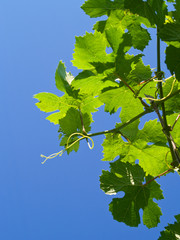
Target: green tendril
{"type": "Point", "coordinates": [69, 146]}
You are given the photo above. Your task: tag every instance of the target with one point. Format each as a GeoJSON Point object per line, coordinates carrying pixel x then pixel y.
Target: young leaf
{"type": "Point", "coordinates": [63, 79]}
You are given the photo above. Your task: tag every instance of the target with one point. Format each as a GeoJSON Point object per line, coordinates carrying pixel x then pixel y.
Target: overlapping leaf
{"type": "Point", "coordinates": [151, 157]}
{"type": "Point", "coordinates": [118, 23]}
{"type": "Point", "coordinates": [99, 8]}
{"type": "Point", "coordinates": [154, 10]}
{"type": "Point", "coordinates": [173, 60]}
{"type": "Point", "coordinates": [92, 84]}
{"type": "Point", "coordinates": [121, 81]}
{"type": "Point", "coordinates": [170, 32]}
{"type": "Point", "coordinates": [49, 102]}
{"type": "Point", "coordinates": [129, 179]}
{"type": "Point", "coordinates": [72, 111]}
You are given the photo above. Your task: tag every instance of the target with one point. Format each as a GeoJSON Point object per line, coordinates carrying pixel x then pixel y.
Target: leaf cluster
{"type": "Point", "coordinates": [121, 81]}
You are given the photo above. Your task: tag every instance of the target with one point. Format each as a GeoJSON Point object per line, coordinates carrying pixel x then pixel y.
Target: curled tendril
{"type": "Point", "coordinates": [68, 146]}
{"type": "Point", "coordinates": [157, 100]}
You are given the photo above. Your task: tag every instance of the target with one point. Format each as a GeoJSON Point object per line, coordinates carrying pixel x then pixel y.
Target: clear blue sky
{"type": "Point", "coordinates": [60, 199]}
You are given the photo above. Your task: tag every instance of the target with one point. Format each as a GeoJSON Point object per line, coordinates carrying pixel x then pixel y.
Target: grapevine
{"type": "Point", "coordinates": [120, 80]}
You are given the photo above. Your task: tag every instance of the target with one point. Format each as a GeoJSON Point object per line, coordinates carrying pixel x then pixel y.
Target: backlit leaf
{"type": "Point", "coordinates": [129, 178]}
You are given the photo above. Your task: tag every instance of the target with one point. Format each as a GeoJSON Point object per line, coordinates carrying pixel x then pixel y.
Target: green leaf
{"type": "Point", "coordinates": [95, 8]}
{"type": "Point", "coordinates": [90, 104]}
{"type": "Point", "coordinates": [170, 32]}
{"type": "Point", "coordinates": [118, 97]}
{"type": "Point", "coordinates": [141, 8]}
{"type": "Point", "coordinates": [160, 11]}
{"type": "Point", "coordinates": [131, 107]}
{"type": "Point", "coordinates": [116, 36]}
{"type": "Point", "coordinates": [138, 147]}
{"type": "Point", "coordinates": [173, 60]}
{"type": "Point", "coordinates": [129, 178]}
{"type": "Point", "coordinates": [151, 214]}
{"type": "Point", "coordinates": [172, 231]}
{"type": "Point", "coordinates": [63, 79]}
{"type": "Point", "coordinates": [122, 98]}
{"type": "Point", "coordinates": [92, 85]}
{"type": "Point", "coordinates": [118, 23]}
{"type": "Point", "coordinates": [54, 117]}
{"type": "Point", "coordinates": [154, 10]}
{"type": "Point", "coordinates": [125, 63]}
{"type": "Point", "coordinates": [70, 124]}
{"type": "Point", "coordinates": [140, 36]}
{"type": "Point", "coordinates": [139, 73]}
{"type": "Point", "coordinates": [177, 12]}
{"type": "Point", "coordinates": [48, 102]}
{"type": "Point", "coordinates": [89, 49]}
{"type": "Point", "coordinates": [152, 132]}
{"type": "Point", "coordinates": [100, 26]}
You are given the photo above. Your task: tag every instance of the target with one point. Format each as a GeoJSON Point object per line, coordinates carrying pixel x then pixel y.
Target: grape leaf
{"type": "Point", "coordinates": [173, 60]}
{"type": "Point", "coordinates": [71, 123]}
{"type": "Point", "coordinates": [88, 49]}
{"type": "Point", "coordinates": [172, 231]}
{"type": "Point", "coordinates": [115, 37]}
{"type": "Point", "coordinates": [170, 32]}
{"type": "Point", "coordinates": [63, 79]}
{"type": "Point", "coordinates": [48, 102]}
{"type": "Point", "coordinates": [100, 26]}
{"type": "Point", "coordinates": [114, 99]}
{"type": "Point", "coordinates": [92, 85]}
{"type": "Point", "coordinates": [129, 178]}
{"type": "Point", "coordinates": [124, 63]}
{"type": "Point", "coordinates": [118, 23]}
{"type": "Point", "coordinates": [95, 8]}
{"type": "Point", "coordinates": [177, 12]}
{"type": "Point", "coordinates": [153, 10]}
{"type": "Point", "coordinates": [151, 157]}
{"type": "Point", "coordinates": [139, 73]}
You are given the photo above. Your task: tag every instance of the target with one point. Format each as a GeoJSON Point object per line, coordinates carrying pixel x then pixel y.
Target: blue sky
{"type": "Point", "coordinates": [60, 199]}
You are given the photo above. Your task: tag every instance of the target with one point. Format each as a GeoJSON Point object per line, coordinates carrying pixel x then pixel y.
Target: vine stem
{"type": "Point", "coordinates": [122, 126]}
{"type": "Point", "coordinates": [160, 78]}
{"type": "Point", "coordinates": [172, 145]}
{"type": "Point", "coordinates": [160, 175]}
